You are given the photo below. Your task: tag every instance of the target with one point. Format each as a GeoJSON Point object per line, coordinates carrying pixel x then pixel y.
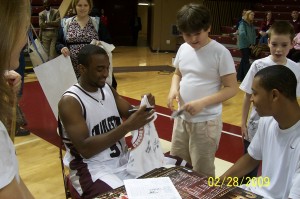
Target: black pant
{"type": "Point", "coordinates": [244, 64]}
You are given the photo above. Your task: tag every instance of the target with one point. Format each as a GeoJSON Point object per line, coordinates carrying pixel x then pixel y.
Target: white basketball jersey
{"type": "Point", "coordinates": [101, 114]}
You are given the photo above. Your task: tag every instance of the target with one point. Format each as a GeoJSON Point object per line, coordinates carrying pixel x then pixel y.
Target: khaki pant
{"type": "Point", "coordinates": [197, 143]}
{"type": "Point", "coordinates": [49, 38]}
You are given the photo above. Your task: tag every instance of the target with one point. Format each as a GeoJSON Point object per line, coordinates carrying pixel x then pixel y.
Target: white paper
{"type": "Point", "coordinates": [151, 188]}
{"type": "Point", "coordinates": [55, 77]}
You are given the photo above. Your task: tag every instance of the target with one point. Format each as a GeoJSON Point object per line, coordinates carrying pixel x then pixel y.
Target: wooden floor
{"type": "Point", "coordinates": [39, 160]}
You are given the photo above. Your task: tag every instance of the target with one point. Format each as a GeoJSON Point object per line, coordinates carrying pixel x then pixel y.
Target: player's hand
{"type": "Point", "coordinates": [151, 99]}
{"type": "Point", "coordinates": [139, 118]}
{"type": "Point", "coordinates": [14, 80]}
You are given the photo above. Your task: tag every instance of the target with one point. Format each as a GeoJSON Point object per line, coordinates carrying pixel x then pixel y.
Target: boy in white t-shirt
{"type": "Point", "coordinates": [280, 41]}
{"type": "Point", "coordinates": [277, 141]}
{"type": "Point", "coordinates": [205, 76]}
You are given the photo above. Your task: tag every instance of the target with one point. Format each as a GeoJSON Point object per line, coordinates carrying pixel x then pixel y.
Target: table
{"type": "Point", "coordinates": [190, 185]}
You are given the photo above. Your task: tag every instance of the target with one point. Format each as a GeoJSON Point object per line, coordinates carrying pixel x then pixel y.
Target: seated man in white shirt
{"type": "Point", "coordinates": [277, 141]}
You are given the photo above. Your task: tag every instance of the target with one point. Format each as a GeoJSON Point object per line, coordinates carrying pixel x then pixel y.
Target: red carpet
{"type": "Point", "coordinates": [42, 123]}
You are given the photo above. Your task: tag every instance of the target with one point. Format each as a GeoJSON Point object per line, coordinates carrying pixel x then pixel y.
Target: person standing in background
{"type": "Point", "coordinates": [264, 27]}
{"type": "Point", "coordinates": [136, 26]}
{"type": "Point", "coordinates": [80, 30]}
{"type": "Point", "coordinates": [21, 121]}
{"type": "Point", "coordinates": [49, 21]}
{"type": "Point", "coordinates": [246, 40]}
{"type": "Point", "coordinates": [294, 53]}
{"type": "Point", "coordinates": [295, 21]}
{"type": "Point", "coordinates": [103, 18]}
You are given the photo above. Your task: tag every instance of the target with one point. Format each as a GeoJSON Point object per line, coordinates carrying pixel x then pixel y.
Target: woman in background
{"type": "Point", "coordinates": [264, 27]}
{"type": "Point", "coordinates": [14, 23]}
{"type": "Point", "coordinates": [246, 40]}
{"type": "Point", "coordinates": [294, 53]}
{"type": "Point", "coordinates": [79, 31]}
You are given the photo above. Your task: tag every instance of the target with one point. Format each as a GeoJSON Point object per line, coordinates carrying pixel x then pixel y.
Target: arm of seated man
{"type": "Point", "coordinates": [242, 167]}
{"type": "Point", "coordinates": [70, 113]}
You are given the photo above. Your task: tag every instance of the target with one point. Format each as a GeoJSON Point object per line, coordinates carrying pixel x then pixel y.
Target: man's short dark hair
{"type": "Point", "coordinates": [86, 52]}
{"type": "Point", "coordinates": [278, 77]}
{"type": "Point", "coordinates": [193, 17]}
{"type": "Point", "coordinates": [282, 28]}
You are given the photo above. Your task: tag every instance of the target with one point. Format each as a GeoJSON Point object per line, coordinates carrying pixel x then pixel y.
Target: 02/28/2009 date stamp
{"type": "Point", "coordinates": [235, 181]}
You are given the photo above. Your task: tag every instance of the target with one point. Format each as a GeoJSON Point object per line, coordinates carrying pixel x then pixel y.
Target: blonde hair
{"type": "Point", "coordinates": [75, 2]}
{"type": "Point", "coordinates": [12, 14]}
{"type": "Point", "coordinates": [247, 14]}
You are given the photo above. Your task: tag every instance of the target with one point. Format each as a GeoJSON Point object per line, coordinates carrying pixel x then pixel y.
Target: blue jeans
{"type": "Point", "coordinates": [263, 39]}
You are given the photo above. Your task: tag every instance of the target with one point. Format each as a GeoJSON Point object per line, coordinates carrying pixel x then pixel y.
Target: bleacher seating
{"type": "Point", "coordinates": [275, 15]}
{"type": "Point", "coordinates": [275, 8]}
{"type": "Point", "coordinates": [40, 2]}
{"type": "Point", "coordinates": [281, 10]}
{"type": "Point", "coordinates": [281, 2]}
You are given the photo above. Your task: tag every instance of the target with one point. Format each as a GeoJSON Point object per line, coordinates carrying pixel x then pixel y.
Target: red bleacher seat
{"type": "Point", "coordinates": [275, 15]}
{"type": "Point", "coordinates": [227, 29]}
{"type": "Point", "coordinates": [275, 8]}
{"type": "Point", "coordinates": [35, 21]}
{"type": "Point", "coordinates": [40, 2]}
{"type": "Point", "coordinates": [281, 2]}
{"type": "Point", "coordinates": [36, 2]}
{"type": "Point", "coordinates": [35, 10]}
{"type": "Point", "coordinates": [235, 52]}
{"type": "Point", "coordinates": [224, 39]}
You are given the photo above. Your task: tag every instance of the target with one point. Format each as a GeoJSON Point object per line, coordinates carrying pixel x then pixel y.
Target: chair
{"type": "Point", "coordinates": [70, 191]}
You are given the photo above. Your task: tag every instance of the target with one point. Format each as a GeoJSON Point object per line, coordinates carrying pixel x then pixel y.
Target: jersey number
{"type": "Point", "coordinates": [115, 151]}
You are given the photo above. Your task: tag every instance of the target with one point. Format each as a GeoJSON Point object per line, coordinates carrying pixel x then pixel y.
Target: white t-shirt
{"type": "Point", "coordinates": [8, 161]}
{"type": "Point", "coordinates": [201, 71]}
{"type": "Point", "coordinates": [247, 84]}
{"type": "Point", "coordinates": [280, 152]}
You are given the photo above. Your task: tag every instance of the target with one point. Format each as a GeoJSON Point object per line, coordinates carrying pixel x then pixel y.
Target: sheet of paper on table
{"type": "Point", "coordinates": [151, 188]}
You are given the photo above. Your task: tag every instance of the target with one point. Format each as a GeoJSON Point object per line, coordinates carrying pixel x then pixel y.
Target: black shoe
{"type": "Point", "coordinates": [22, 132]}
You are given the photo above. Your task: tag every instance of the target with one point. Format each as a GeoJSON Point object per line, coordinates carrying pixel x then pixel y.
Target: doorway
{"type": "Point", "coordinates": [145, 13]}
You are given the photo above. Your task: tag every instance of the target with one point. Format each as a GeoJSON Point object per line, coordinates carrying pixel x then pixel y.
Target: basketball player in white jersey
{"type": "Point", "coordinates": [91, 113]}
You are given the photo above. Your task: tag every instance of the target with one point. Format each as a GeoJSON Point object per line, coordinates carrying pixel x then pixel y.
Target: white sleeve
{"type": "Point", "coordinates": [8, 162]}
{"type": "Point", "coordinates": [176, 61]}
{"type": "Point", "coordinates": [226, 65]}
{"type": "Point", "coordinates": [246, 85]}
{"type": "Point", "coordinates": [295, 189]}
